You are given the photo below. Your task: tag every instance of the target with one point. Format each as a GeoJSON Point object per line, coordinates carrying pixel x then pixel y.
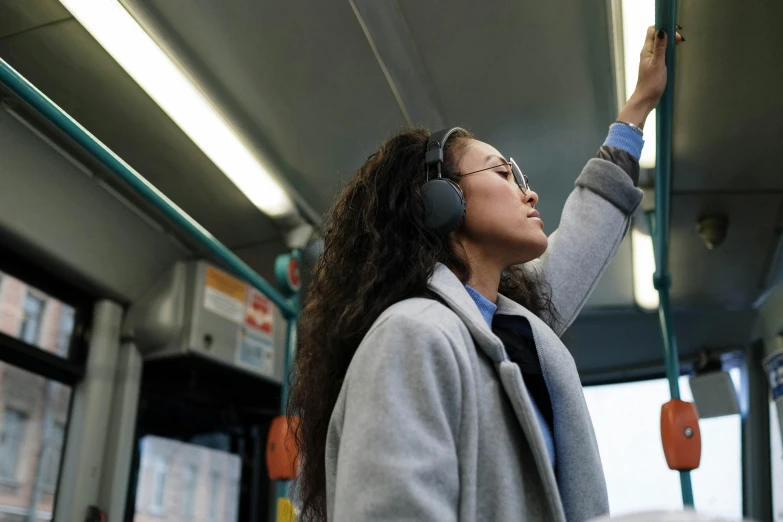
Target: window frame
{"type": "Point", "coordinates": [54, 283]}
{"type": "Point", "coordinates": [731, 361]}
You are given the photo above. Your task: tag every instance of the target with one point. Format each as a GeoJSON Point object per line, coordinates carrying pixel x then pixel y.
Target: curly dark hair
{"type": "Point", "coordinates": [377, 251]}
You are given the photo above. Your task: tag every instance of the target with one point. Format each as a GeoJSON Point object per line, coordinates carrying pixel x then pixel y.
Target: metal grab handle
{"type": "Point", "coordinates": [665, 18]}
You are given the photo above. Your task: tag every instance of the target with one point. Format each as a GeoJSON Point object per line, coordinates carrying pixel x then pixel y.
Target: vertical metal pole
{"type": "Point", "coordinates": [665, 18]}
{"type": "Point", "coordinates": [258, 461]}
{"type": "Point", "coordinates": [756, 458]}
{"type": "Point", "coordinates": [290, 353]}
{"type": "Point", "coordinates": [81, 477]}
{"type": "Point", "coordinates": [120, 438]}
{"type": "Point", "coordinates": [290, 348]}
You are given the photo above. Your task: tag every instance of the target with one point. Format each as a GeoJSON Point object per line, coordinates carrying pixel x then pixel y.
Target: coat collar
{"type": "Point", "coordinates": [449, 288]}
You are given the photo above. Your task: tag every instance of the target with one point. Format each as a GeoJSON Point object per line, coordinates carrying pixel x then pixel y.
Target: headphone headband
{"type": "Point", "coordinates": [436, 145]}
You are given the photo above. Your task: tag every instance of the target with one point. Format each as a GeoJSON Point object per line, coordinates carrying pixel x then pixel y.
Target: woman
{"type": "Point", "coordinates": [430, 381]}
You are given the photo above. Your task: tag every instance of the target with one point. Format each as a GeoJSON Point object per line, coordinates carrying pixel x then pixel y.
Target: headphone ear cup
{"type": "Point", "coordinates": [444, 205]}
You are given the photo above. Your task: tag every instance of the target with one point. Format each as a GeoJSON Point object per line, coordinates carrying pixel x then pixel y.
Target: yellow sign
{"type": "Point", "coordinates": [285, 510]}
{"type": "Point", "coordinates": [225, 284]}
{"type": "Point", "coordinates": [224, 295]}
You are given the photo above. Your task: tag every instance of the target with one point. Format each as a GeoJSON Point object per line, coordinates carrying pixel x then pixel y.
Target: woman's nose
{"type": "Point", "coordinates": [530, 198]}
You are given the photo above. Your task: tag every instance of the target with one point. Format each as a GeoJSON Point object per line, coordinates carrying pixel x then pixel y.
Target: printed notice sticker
{"type": "Point", "coordinates": [224, 295]}
{"type": "Point", "coordinates": [259, 314]}
{"type": "Point", "coordinates": [256, 351]}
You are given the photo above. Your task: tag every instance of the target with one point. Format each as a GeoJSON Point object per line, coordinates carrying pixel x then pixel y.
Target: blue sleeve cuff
{"type": "Point", "coordinates": [625, 138]}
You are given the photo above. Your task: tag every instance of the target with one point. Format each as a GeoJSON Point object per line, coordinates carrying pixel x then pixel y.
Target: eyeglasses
{"type": "Point", "coordinates": [520, 178]}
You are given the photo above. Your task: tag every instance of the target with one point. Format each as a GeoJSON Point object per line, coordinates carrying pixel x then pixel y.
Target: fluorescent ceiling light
{"type": "Point", "coordinates": [638, 15]}
{"type": "Point", "coordinates": [644, 291]}
{"type": "Point", "coordinates": [125, 40]}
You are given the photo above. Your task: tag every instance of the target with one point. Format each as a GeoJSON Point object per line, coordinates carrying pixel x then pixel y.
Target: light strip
{"type": "Point", "coordinates": [127, 42]}
{"type": "Point", "coordinates": [644, 291]}
{"type": "Point", "coordinates": [637, 16]}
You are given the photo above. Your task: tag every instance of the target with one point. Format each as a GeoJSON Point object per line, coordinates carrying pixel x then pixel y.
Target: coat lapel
{"type": "Point", "coordinates": [452, 291]}
{"type": "Point", "coordinates": [579, 467]}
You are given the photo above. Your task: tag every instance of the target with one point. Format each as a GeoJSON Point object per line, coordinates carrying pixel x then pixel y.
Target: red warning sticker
{"type": "Point", "coordinates": [259, 313]}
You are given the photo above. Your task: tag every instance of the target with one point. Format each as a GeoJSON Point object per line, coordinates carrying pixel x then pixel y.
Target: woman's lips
{"type": "Point", "coordinates": [536, 215]}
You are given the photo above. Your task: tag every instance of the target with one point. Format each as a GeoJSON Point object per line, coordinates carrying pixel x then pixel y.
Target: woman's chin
{"type": "Point", "coordinates": [532, 250]}
{"type": "Point", "coordinates": [540, 245]}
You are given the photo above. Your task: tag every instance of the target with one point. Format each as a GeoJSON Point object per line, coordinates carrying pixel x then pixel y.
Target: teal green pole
{"type": "Point", "coordinates": [289, 358]}
{"type": "Point", "coordinates": [38, 101]}
{"type": "Point", "coordinates": [665, 18]}
{"type": "Point", "coordinates": [290, 351]}
{"type": "Point", "coordinates": [290, 344]}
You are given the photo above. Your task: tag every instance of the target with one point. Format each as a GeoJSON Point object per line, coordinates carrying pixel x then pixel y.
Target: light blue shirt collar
{"type": "Point", "coordinates": [485, 306]}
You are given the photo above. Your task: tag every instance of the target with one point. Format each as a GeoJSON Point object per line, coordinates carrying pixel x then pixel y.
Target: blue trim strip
{"type": "Point", "coordinates": [25, 90]}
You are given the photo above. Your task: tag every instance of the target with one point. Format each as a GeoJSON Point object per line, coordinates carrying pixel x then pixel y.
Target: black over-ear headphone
{"type": "Point", "coordinates": [444, 202]}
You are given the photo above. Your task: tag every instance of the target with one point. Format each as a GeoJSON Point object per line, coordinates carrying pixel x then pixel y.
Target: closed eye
{"type": "Point", "coordinates": [505, 173]}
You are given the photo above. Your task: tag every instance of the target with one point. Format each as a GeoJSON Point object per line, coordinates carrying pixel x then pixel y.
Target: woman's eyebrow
{"type": "Point", "coordinates": [495, 157]}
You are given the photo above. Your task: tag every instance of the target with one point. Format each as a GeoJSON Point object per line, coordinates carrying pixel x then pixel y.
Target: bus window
{"type": "Point", "coordinates": [637, 476]}
{"type": "Point", "coordinates": [180, 481]}
{"type": "Point", "coordinates": [33, 420]}
{"type": "Point", "coordinates": [34, 317]}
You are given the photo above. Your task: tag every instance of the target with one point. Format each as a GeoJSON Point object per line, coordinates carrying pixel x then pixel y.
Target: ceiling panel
{"type": "Point", "coordinates": [76, 73]}
{"type": "Point", "coordinates": [301, 75]}
{"type": "Point", "coordinates": [728, 111]}
{"type": "Point", "coordinates": [731, 274]}
{"type": "Point", "coordinates": [22, 15]}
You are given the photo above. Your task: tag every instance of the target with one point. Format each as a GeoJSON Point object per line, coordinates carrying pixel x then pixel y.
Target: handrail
{"type": "Point", "coordinates": [665, 18]}
{"type": "Point", "coordinates": [40, 102]}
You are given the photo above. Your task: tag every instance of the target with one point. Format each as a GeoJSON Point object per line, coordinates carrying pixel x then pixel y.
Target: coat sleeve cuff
{"type": "Point", "coordinates": [612, 183]}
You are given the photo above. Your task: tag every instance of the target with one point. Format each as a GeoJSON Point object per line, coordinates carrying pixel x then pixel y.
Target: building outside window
{"type": "Point", "coordinates": [214, 487]}
{"type": "Point", "coordinates": [11, 438]}
{"type": "Point", "coordinates": [32, 316]}
{"type": "Point", "coordinates": [201, 483]}
{"type": "Point", "coordinates": [65, 330]}
{"type": "Point", "coordinates": [160, 471]}
{"type": "Point", "coordinates": [33, 410]}
{"type": "Point", "coordinates": [190, 475]}
{"type": "Point", "coordinates": [53, 454]}
{"type": "Point", "coordinates": [232, 501]}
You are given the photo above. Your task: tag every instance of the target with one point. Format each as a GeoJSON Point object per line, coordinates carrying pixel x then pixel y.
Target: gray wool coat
{"type": "Point", "coordinates": [434, 423]}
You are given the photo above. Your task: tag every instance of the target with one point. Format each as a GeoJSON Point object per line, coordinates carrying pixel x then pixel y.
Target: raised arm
{"type": "Point", "coordinates": [595, 219]}
{"type": "Point", "coordinates": [598, 212]}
